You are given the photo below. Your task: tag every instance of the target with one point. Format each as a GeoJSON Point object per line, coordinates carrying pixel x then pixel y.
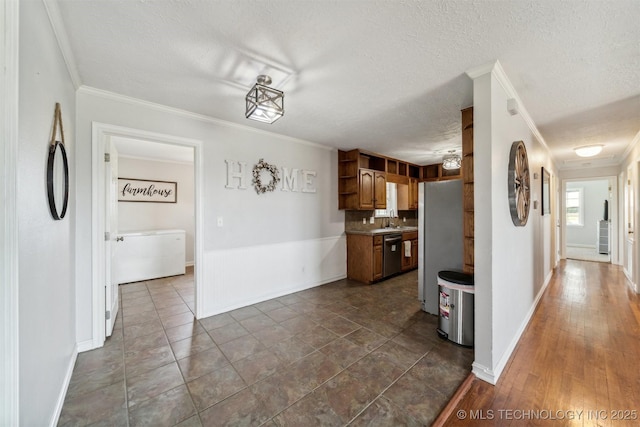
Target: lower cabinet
{"type": "Point", "coordinates": [414, 253]}
{"type": "Point", "coordinates": [377, 259]}
{"type": "Point", "coordinates": [410, 262]}
{"type": "Point", "coordinates": [364, 258]}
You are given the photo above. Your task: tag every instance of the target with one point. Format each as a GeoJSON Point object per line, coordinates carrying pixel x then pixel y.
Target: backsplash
{"type": "Point", "coordinates": [353, 220]}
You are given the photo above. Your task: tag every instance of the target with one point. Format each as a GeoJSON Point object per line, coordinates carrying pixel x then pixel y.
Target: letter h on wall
{"type": "Point", "coordinates": [240, 174]}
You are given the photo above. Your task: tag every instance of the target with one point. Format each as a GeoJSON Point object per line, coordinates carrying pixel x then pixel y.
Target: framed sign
{"type": "Point", "coordinates": [546, 199]}
{"type": "Point", "coordinates": [144, 190]}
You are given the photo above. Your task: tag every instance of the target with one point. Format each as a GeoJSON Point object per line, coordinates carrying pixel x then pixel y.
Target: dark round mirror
{"type": "Point", "coordinates": [57, 180]}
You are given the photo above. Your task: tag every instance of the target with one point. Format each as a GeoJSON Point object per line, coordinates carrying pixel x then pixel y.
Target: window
{"type": "Point", "coordinates": [392, 203]}
{"type": "Point", "coordinates": [574, 205]}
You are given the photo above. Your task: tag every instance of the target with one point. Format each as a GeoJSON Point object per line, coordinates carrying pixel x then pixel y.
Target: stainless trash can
{"type": "Point", "coordinates": [455, 321]}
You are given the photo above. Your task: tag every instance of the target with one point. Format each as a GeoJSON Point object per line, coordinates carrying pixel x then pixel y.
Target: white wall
{"type": "Point", "coordinates": [512, 263]}
{"type": "Point", "coordinates": [159, 216]}
{"type": "Point", "coordinates": [631, 252]}
{"type": "Point", "coordinates": [594, 193]}
{"type": "Point", "coordinates": [269, 244]}
{"type": "Point", "coordinates": [46, 247]}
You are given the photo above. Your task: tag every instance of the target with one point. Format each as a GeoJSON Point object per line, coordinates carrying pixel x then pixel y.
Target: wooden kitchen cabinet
{"type": "Point", "coordinates": [364, 257]}
{"type": "Point", "coordinates": [468, 190]}
{"type": "Point", "coordinates": [380, 191]}
{"type": "Point", "coordinates": [372, 189]}
{"type": "Point", "coordinates": [413, 193]}
{"type": "Point", "coordinates": [363, 176]}
{"type": "Point", "coordinates": [377, 260]}
{"type": "Point", "coordinates": [409, 263]}
{"type": "Point", "coordinates": [414, 253]}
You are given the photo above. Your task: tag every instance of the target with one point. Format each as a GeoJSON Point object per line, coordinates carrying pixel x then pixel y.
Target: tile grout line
{"type": "Point", "coordinates": [340, 314]}
{"type": "Point", "coordinates": [388, 387]}
{"type": "Point", "coordinates": [329, 379]}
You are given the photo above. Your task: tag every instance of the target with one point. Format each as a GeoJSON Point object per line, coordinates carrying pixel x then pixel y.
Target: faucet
{"type": "Point", "coordinates": [390, 220]}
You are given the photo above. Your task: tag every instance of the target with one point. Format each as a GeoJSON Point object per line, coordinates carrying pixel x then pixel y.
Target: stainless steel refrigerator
{"type": "Point", "coordinates": [440, 236]}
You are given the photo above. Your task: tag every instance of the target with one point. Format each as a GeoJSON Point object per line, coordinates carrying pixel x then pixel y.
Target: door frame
{"type": "Point", "coordinates": [100, 134]}
{"type": "Point", "coordinates": [9, 288]}
{"type": "Point", "coordinates": [614, 254]}
{"type": "Point", "coordinates": [111, 202]}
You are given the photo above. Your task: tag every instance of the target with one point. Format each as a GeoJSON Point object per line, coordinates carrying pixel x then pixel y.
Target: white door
{"type": "Point", "coordinates": [111, 237]}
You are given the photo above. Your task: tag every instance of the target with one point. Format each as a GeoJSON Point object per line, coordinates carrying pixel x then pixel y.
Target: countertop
{"type": "Point", "coordinates": [381, 231]}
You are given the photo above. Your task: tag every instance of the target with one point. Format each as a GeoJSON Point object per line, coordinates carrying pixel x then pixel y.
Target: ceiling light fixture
{"type": "Point", "coordinates": [264, 104]}
{"type": "Point", "coordinates": [451, 160]}
{"type": "Point", "coordinates": [588, 150]}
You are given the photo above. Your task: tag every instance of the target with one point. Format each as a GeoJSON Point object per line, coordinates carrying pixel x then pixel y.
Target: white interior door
{"type": "Point", "coordinates": [111, 237]}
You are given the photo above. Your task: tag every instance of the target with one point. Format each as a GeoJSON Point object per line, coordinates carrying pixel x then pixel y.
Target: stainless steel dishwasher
{"type": "Point", "coordinates": [392, 256]}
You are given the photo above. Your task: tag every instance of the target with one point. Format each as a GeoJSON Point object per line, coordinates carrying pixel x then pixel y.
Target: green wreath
{"type": "Point", "coordinates": [257, 180]}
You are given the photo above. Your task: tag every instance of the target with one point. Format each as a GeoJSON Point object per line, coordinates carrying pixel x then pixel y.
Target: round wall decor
{"type": "Point", "coordinates": [57, 171]}
{"type": "Point", "coordinates": [57, 159]}
{"type": "Point", "coordinates": [519, 188]}
{"type": "Point", "coordinates": [257, 177]}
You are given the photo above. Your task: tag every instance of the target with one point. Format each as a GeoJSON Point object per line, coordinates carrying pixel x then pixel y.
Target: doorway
{"type": "Point", "coordinates": [108, 140]}
{"type": "Point", "coordinates": [589, 219]}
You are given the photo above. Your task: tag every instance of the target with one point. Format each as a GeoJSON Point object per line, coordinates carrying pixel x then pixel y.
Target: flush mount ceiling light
{"type": "Point", "coordinates": [451, 160]}
{"type": "Point", "coordinates": [588, 150]}
{"type": "Point", "coordinates": [264, 104]}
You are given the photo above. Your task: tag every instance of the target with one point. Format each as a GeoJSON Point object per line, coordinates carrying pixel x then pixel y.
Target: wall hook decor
{"type": "Point", "coordinates": [57, 170]}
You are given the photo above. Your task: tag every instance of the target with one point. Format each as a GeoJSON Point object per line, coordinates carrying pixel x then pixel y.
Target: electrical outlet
{"type": "Point", "coordinates": [220, 221]}
{"type": "Point", "coordinates": [372, 220]}
{"type": "Point", "coordinates": [364, 220]}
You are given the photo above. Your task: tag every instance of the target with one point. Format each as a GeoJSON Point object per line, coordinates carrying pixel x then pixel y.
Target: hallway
{"type": "Point", "coordinates": [342, 353]}
{"type": "Point", "coordinates": [576, 363]}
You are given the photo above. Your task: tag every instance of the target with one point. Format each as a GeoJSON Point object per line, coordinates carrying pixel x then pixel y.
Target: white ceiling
{"type": "Point", "coordinates": [387, 76]}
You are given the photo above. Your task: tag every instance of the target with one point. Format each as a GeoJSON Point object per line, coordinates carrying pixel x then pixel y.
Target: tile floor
{"type": "Point", "coordinates": [340, 354]}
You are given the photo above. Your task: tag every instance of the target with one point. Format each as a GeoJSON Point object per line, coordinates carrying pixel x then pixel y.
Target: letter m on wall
{"type": "Point", "coordinates": [289, 179]}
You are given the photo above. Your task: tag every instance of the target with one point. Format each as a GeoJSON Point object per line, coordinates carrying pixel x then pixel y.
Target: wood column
{"type": "Point", "coordinates": [467, 179]}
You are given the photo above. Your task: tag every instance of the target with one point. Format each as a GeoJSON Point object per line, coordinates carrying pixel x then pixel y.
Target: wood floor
{"type": "Point", "coordinates": [578, 362]}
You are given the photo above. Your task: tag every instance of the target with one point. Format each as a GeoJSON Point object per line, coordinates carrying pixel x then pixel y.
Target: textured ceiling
{"type": "Point", "coordinates": [387, 76]}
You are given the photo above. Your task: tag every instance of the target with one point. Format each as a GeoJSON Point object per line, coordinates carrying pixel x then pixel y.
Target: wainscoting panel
{"type": "Point", "coordinates": [243, 276]}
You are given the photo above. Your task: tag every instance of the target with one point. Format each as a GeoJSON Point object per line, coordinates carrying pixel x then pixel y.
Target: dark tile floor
{"type": "Point", "coordinates": [339, 354]}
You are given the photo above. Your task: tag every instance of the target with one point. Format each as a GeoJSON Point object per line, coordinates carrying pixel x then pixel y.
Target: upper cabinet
{"type": "Point", "coordinates": [438, 173]}
{"type": "Point", "coordinates": [363, 176]}
{"type": "Point", "coordinates": [362, 182]}
{"type": "Point", "coordinates": [372, 189]}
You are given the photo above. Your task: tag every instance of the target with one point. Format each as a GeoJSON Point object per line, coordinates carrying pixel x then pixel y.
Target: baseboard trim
{"type": "Point", "coordinates": [492, 375]}
{"type": "Point", "coordinates": [577, 245]}
{"type": "Point", "coordinates": [65, 386]}
{"type": "Point", "coordinates": [271, 296]}
{"type": "Point", "coordinates": [633, 286]}
{"type": "Point", "coordinates": [484, 373]}
{"type": "Point", "coordinates": [514, 342]}
{"type": "Point", "coordinates": [85, 346]}
{"type": "Point", "coordinates": [460, 393]}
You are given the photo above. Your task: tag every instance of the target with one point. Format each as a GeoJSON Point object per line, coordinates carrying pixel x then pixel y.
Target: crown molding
{"type": "Point", "coordinates": [495, 68]}
{"type": "Point", "coordinates": [88, 90]}
{"type": "Point", "coordinates": [630, 147]}
{"type": "Point", "coordinates": [57, 24]}
{"type": "Point", "coordinates": [480, 70]}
